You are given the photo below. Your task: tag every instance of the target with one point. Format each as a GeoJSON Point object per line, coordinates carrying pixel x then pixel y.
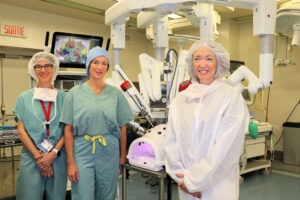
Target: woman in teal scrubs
{"type": "Point", "coordinates": [95, 115]}
{"type": "Point", "coordinates": [43, 166]}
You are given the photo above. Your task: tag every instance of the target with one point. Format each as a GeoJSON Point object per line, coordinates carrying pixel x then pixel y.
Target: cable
{"type": "Point", "coordinates": [279, 139]}
{"type": "Point", "coordinates": [152, 184]}
{"type": "Point", "coordinates": [145, 176]}
{"type": "Point", "coordinates": [175, 70]}
{"type": "Point", "coordinates": [286, 121]}
{"type": "Point", "coordinates": [151, 178]}
{"type": "Point", "coordinates": [253, 101]}
{"type": "Point", "coordinates": [268, 98]}
{"type": "Point", "coordinates": [293, 111]}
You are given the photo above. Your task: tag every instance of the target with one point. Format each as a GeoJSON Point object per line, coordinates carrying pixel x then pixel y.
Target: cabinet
{"type": "Point", "coordinates": [254, 156]}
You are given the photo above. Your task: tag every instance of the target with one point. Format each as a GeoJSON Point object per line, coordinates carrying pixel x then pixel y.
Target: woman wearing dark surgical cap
{"type": "Point", "coordinates": [95, 115]}
{"type": "Point", "coordinates": [206, 128]}
{"type": "Point", "coordinates": [43, 166]}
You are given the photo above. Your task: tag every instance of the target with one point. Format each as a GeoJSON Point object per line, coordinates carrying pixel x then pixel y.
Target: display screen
{"type": "Point", "coordinates": [71, 49]}
{"type": "Point", "coordinates": [234, 65]}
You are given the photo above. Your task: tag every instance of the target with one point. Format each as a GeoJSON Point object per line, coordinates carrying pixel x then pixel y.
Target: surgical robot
{"type": "Point", "coordinates": [154, 12]}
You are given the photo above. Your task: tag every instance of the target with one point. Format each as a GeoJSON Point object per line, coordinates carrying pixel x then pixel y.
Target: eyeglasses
{"type": "Point", "coordinates": [206, 59]}
{"type": "Point", "coordinates": [46, 67]}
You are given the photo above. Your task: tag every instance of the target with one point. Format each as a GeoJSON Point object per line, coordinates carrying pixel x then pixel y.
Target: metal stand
{"type": "Point", "coordinates": [160, 174]}
{"type": "Point", "coordinates": [12, 150]}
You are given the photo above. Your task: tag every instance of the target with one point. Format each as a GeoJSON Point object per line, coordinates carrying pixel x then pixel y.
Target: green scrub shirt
{"type": "Point", "coordinates": [30, 183]}
{"type": "Point", "coordinates": [94, 115]}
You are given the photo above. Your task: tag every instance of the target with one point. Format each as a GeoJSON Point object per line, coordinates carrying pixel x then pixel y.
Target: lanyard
{"type": "Point", "coordinates": [47, 114]}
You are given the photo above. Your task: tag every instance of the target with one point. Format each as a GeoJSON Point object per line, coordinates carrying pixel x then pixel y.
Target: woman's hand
{"type": "Point", "coordinates": [47, 172]}
{"type": "Point", "coordinates": [196, 194]}
{"type": "Point", "coordinates": [73, 173]}
{"type": "Point", "coordinates": [121, 163]}
{"type": "Point", "coordinates": [182, 186]}
{"type": "Point", "coordinates": [45, 160]}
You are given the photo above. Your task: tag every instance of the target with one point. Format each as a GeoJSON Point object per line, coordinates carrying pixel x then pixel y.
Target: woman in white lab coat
{"type": "Point", "coordinates": [206, 128]}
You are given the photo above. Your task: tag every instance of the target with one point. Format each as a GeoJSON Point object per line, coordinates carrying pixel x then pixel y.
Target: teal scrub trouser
{"type": "Point", "coordinates": [31, 185]}
{"type": "Point", "coordinates": [98, 173]}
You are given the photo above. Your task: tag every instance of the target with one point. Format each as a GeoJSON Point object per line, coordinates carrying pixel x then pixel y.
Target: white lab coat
{"type": "Point", "coordinates": [205, 138]}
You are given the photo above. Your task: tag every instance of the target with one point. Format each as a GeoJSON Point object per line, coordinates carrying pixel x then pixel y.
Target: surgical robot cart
{"type": "Point", "coordinates": [254, 156]}
{"type": "Point", "coordinates": [162, 175]}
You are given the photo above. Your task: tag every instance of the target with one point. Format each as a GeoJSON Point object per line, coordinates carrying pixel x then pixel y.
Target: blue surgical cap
{"type": "Point", "coordinates": [94, 53]}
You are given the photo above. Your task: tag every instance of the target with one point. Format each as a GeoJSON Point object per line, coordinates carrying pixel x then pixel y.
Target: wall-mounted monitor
{"type": "Point", "coordinates": [234, 64]}
{"type": "Point", "coordinates": [71, 49]}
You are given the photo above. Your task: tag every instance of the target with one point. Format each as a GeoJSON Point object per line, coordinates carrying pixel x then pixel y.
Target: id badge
{"type": "Point", "coordinates": [45, 146]}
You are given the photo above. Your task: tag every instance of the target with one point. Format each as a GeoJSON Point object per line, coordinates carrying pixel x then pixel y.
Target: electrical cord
{"type": "Point", "coordinates": [293, 110]}
{"type": "Point", "coordinates": [175, 70]}
{"type": "Point", "coordinates": [150, 178]}
{"type": "Point", "coordinates": [287, 120]}
{"type": "Point", "coordinates": [267, 106]}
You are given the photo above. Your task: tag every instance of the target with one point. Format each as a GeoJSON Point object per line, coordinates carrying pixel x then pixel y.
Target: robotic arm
{"type": "Point", "coordinates": [264, 21]}
{"type": "Point", "coordinates": [254, 84]}
{"type": "Point", "coordinates": [149, 78]}
{"type": "Point", "coordinates": [136, 101]}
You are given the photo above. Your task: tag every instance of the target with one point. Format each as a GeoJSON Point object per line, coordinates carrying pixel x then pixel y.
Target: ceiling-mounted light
{"type": "Point", "coordinates": [77, 6]}
{"type": "Point", "coordinates": [174, 16]}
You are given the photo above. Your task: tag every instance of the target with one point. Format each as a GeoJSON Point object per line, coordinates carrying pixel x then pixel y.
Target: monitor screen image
{"type": "Point", "coordinates": [234, 64]}
{"type": "Point", "coordinates": [246, 95]}
{"type": "Point", "coordinates": [71, 49]}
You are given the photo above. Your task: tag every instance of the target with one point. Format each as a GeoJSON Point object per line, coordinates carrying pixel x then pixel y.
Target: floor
{"type": "Point", "coordinates": [282, 183]}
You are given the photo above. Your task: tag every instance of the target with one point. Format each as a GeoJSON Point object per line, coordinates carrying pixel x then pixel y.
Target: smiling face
{"type": "Point", "coordinates": [205, 65]}
{"type": "Point", "coordinates": [98, 67]}
{"type": "Point", "coordinates": [44, 72]}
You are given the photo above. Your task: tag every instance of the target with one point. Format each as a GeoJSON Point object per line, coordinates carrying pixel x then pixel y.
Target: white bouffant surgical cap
{"type": "Point", "coordinates": [221, 54]}
{"type": "Point", "coordinates": [43, 56]}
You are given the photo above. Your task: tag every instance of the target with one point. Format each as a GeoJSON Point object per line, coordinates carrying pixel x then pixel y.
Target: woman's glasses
{"type": "Point", "coordinates": [46, 67]}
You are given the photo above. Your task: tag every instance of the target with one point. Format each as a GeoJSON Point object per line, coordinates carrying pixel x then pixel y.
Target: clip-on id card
{"type": "Point", "coordinates": [45, 146]}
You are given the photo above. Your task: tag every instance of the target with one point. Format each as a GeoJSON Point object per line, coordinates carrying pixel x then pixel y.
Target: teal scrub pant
{"type": "Point", "coordinates": [31, 185]}
{"type": "Point", "coordinates": [98, 173]}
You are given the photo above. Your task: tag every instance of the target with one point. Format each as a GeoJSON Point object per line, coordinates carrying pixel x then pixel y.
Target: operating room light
{"type": "Point", "coordinates": [174, 16]}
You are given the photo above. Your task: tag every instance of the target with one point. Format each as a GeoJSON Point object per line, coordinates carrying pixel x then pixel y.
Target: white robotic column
{"type": "Point", "coordinates": [160, 37]}
{"type": "Point", "coordinates": [266, 60]}
{"type": "Point", "coordinates": [205, 14]}
{"type": "Point", "coordinates": [264, 18]}
{"type": "Point", "coordinates": [118, 43]}
{"type": "Point", "coordinates": [296, 37]}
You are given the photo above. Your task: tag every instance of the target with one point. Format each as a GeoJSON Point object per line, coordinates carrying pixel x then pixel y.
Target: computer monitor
{"type": "Point", "coordinates": [71, 49]}
{"type": "Point", "coordinates": [246, 95]}
{"type": "Point", "coordinates": [234, 64]}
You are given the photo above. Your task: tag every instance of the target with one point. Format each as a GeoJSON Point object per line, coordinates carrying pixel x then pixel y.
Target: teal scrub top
{"type": "Point", "coordinates": [23, 110]}
{"type": "Point", "coordinates": [96, 115]}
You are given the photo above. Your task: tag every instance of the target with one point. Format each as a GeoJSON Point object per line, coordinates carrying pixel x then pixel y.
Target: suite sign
{"type": "Point", "coordinates": [12, 30]}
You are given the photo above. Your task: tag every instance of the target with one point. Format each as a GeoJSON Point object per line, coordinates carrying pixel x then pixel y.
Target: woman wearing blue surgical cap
{"type": "Point", "coordinates": [206, 129]}
{"type": "Point", "coordinates": [95, 116]}
{"type": "Point", "coordinates": [43, 166]}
